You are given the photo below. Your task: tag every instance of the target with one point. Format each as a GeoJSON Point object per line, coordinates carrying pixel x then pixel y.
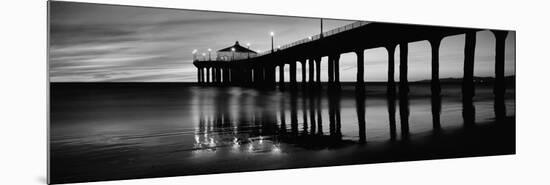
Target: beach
{"type": "Point", "coordinates": [111, 131]}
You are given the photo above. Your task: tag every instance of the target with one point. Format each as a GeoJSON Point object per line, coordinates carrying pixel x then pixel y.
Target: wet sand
{"type": "Point", "coordinates": [120, 131]}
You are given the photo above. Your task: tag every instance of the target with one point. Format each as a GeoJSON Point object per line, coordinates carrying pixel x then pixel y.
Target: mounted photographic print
{"type": "Point", "coordinates": [138, 92]}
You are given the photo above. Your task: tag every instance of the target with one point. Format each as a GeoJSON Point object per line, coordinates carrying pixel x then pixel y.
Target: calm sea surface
{"type": "Point", "coordinates": [113, 131]}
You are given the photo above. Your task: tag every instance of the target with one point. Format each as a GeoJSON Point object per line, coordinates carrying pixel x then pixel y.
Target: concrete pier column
{"type": "Point", "coordinates": [215, 75]}
{"type": "Point", "coordinates": [436, 112]}
{"type": "Point", "coordinates": [403, 69]}
{"type": "Point", "coordinates": [318, 71]}
{"type": "Point", "coordinates": [319, 115]}
{"type": "Point", "coordinates": [336, 64]}
{"type": "Point", "coordinates": [331, 114]}
{"type": "Point", "coordinates": [249, 80]}
{"type": "Point", "coordinates": [404, 113]}
{"type": "Point", "coordinates": [304, 76]}
{"type": "Point", "coordinates": [391, 70]}
{"type": "Point", "coordinates": [360, 79]}
{"type": "Point", "coordinates": [222, 75]}
{"type": "Point", "coordinates": [468, 91]}
{"type": "Point", "coordinates": [271, 81]}
{"type": "Point", "coordinates": [330, 70]}
{"type": "Point", "coordinates": [282, 76]}
{"type": "Point", "coordinates": [311, 71]}
{"type": "Point", "coordinates": [435, 85]}
{"type": "Point", "coordinates": [198, 75]}
{"type": "Point", "coordinates": [207, 75]}
{"type": "Point", "coordinates": [262, 76]}
{"type": "Point", "coordinates": [403, 90]}
{"type": "Point", "coordinates": [500, 83]}
{"type": "Point", "coordinates": [293, 74]}
{"type": "Point", "coordinates": [500, 37]}
{"type": "Point", "coordinates": [250, 76]}
{"type": "Point", "coordinates": [391, 116]}
{"type": "Point", "coordinates": [219, 75]}
{"type": "Point", "coordinates": [213, 72]}
{"type": "Point", "coordinates": [226, 75]}
{"type": "Point", "coordinates": [203, 75]}
{"type": "Point", "coordinates": [360, 108]}
{"type": "Point", "coordinates": [469, 54]}
{"type": "Point", "coordinates": [229, 75]}
{"type": "Point", "coordinates": [212, 75]}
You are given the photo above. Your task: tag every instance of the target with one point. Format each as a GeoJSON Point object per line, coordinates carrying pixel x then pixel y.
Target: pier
{"type": "Point", "coordinates": [260, 71]}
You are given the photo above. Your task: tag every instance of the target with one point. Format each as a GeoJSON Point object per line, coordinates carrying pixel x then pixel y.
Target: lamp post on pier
{"type": "Point", "coordinates": [272, 34]}
{"type": "Point", "coordinates": [209, 50]}
{"type": "Point", "coordinates": [248, 46]}
{"type": "Point", "coordinates": [232, 54]}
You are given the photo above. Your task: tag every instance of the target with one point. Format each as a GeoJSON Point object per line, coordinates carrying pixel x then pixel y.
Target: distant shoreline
{"type": "Point", "coordinates": [477, 80]}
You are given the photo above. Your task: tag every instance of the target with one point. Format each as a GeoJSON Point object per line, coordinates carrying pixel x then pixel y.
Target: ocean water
{"type": "Point", "coordinates": [106, 131]}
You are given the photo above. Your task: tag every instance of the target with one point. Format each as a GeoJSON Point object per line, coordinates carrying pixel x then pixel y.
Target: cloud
{"type": "Point", "coordinates": [91, 42]}
{"type": "Point", "coordinates": [63, 35]}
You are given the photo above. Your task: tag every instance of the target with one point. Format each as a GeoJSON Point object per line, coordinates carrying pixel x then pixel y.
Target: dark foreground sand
{"type": "Point", "coordinates": [126, 131]}
{"type": "Point", "coordinates": [479, 140]}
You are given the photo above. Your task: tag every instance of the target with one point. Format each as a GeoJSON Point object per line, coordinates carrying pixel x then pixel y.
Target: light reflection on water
{"type": "Point", "coordinates": [223, 117]}
{"type": "Point", "coordinates": [242, 118]}
{"type": "Point", "coordinates": [187, 123]}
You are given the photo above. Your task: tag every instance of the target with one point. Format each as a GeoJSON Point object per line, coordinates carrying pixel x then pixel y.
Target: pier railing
{"type": "Point", "coordinates": [318, 36]}
{"type": "Point", "coordinates": [334, 31]}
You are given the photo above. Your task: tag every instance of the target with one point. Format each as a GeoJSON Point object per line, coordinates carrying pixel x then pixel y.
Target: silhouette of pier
{"type": "Point", "coordinates": [260, 71]}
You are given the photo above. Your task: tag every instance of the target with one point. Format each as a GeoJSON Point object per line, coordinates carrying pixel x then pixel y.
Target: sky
{"type": "Point", "coordinates": [108, 43]}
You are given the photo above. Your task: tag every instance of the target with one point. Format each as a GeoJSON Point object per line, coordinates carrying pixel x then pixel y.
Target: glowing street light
{"type": "Point", "coordinates": [309, 37]}
{"type": "Point", "coordinates": [272, 34]}
{"type": "Point", "coordinates": [203, 56]}
{"type": "Point", "coordinates": [233, 53]}
{"type": "Point", "coordinates": [209, 50]}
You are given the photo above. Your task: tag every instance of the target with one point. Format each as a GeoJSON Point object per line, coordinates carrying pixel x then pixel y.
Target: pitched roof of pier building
{"type": "Point", "coordinates": [235, 52]}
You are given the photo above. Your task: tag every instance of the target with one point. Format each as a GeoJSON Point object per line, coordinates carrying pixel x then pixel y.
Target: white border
{"type": "Point", "coordinates": [23, 91]}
